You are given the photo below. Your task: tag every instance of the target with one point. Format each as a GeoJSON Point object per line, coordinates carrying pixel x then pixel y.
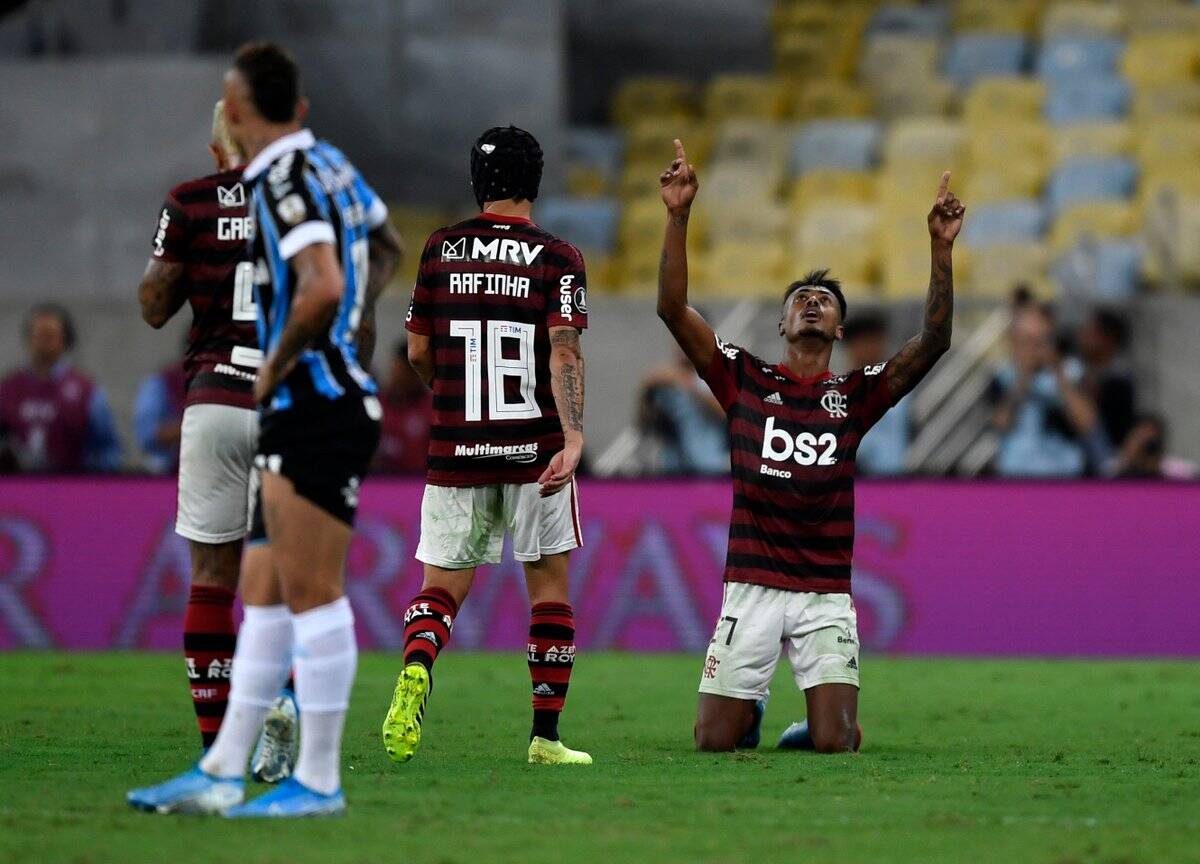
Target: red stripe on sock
{"type": "Point", "coordinates": [209, 640]}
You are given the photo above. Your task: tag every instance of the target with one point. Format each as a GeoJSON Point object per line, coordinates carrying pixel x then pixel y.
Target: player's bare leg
{"type": "Point", "coordinates": [428, 621]}
{"type": "Point", "coordinates": [721, 722]}
{"type": "Point", "coordinates": [832, 722]}
{"type": "Point", "coordinates": [209, 634]}
{"type": "Point", "coordinates": [551, 655]}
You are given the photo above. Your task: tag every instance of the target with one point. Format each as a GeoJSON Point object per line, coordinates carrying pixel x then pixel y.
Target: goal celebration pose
{"type": "Point", "coordinates": [494, 325]}
{"type": "Point", "coordinates": [794, 428]}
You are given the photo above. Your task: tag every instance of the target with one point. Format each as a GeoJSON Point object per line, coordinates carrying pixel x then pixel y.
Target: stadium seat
{"type": "Point", "coordinates": [1169, 182]}
{"type": "Point", "coordinates": [648, 142]}
{"type": "Point", "coordinates": [975, 55]}
{"type": "Point", "coordinates": [990, 184]}
{"type": "Point", "coordinates": [845, 144]}
{"type": "Point", "coordinates": [1095, 219]}
{"type": "Point", "coordinates": [640, 97]}
{"type": "Point", "coordinates": [929, 141]}
{"type": "Point", "coordinates": [1156, 17]}
{"type": "Point", "coordinates": [1000, 100]}
{"type": "Point", "coordinates": [751, 142]}
{"type": "Point", "coordinates": [744, 96]}
{"type": "Point", "coordinates": [1181, 97]}
{"type": "Point", "coordinates": [589, 223]}
{"type": "Point", "coordinates": [1018, 221]}
{"type": "Point", "coordinates": [746, 219]}
{"type": "Point", "coordinates": [1084, 99]}
{"type": "Point", "coordinates": [1091, 179]}
{"type": "Point", "coordinates": [993, 271]}
{"type": "Point", "coordinates": [917, 20]}
{"type": "Point", "coordinates": [1075, 18]}
{"type": "Point", "coordinates": [741, 270]}
{"type": "Point", "coordinates": [915, 97]}
{"type": "Point", "coordinates": [593, 160]}
{"type": "Point", "coordinates": [1104, 273]}
{"type": "Point", "coordinates": [824, 184]}
{"type": "Point", "coordinates": [801, 53]}
{"type": "Point", "coordinates": [1174, 222]}
{"type": "Point", "coordinates": [1012, 17]}
{"type": "Point", "coordinates": [820, 98]}
{"type": "Point", "coordinates": [893, 56]}
{"type": "Point", "coordinates": [724, 182]}
{"type": "Point", "coordinates": [1091, 139]}
{"type": "Point", "coordinates": [1169, 140]}
{"type": "Point", "coordinates": [839, 234]}
{"type": "Point", "coordinates": [1161, 58]}
{"type": "Point", "coordinates": [1004, 144]}
{"type": "Point", "coordinates": [1068, 57]}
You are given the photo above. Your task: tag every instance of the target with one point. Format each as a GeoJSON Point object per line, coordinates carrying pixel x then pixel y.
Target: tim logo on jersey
{"type": "Point", "coordinates": [803, 448]}
{"type": "Point", "coordinates": [494, 250]}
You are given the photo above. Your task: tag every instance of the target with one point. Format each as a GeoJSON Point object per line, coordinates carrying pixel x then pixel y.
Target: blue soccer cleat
{"type": "Point", "coordinates": [797, 737]}
{"type": "Point", "coordinates": [291, 799]}
{"type": "Point", "coordinates": [192, 792]}
{"type": "Point", "coordinates": [754, 733]}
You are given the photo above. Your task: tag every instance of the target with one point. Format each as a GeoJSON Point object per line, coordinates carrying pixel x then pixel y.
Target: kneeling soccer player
{"type": "Point", "coordinates": [794, 428]}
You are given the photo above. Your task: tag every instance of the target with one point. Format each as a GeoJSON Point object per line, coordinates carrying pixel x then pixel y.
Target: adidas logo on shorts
{"type": "Point", "coordinates": [774, 399]}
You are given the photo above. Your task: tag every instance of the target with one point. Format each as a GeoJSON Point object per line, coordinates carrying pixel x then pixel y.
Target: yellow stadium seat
{"type": "Point", "coordinates": [840, 234]}
{"type": "Point", "coordinates": [1157, 16]}
{"type": "Point", "coordinates": [915, 97]}
{"type": "Point", "coordinates": [414, 226]}
{"type": "Point", "coordinates": [833, 53]}
{"type": "Point", "coordinates": [1091, 139]}
{"type": "Point", "coordinates": [586, 181]}
{"type": "Point", "coordinates": [641, 228]}
{"type": "Point", "coordinates": [999, 145]}
{"type": "Point", "coordinates": [1161, 58]}
{"type": "Point", "coordinates": [1000, 100]}
{"type": "Point", "coordinates": [648, 142]}
{"type": "Point", "coordinates": [1025, 179]}
{"type": "Point", "coordinates": [1154, 100]}
{"type": "Point", "coordinates": [1099, 219]}
{"type": "Point", "coordinates": [888, 58]}
{"type": "Point", "coordinates": [993, 271]}
{"type": "Point", "coordinates": [750, 142]}
{"type": "Point", "coordinates": [747, 219]}
{"type": "Point", "coordinates": [641, 97]}
{"type": "Point", "coordinates": [744, 96]}
{"type": "Point", "coordinates": [741, 270]}
{"type": "Point", "coordinates": [1083, 18]}
{"type": "Point", "coordinates": [826, 184]}
{"type": "Point", "coordinates": [1175, 256]}
{"type": "Point", "coordinates": [925, 141]}
{"type": "Point", "coordinates": [1169, 139]}
{"type": "Point", "coordinates": [1017, 17]}
{"type": "Point", "coordinates": [1168, 182]}
{"type": "Point", "coordinates": [819, 98]}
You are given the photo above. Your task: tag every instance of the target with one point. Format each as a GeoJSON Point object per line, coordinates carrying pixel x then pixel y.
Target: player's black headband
{"type": "Point", "coordinates": [506, 162]}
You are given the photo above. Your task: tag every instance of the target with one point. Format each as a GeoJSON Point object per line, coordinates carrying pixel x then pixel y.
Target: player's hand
{"type": "Point", "coordinates": [679, 182]}
{"type": "Point", "coordinates": [560, 470]}
{"type": "Point", "coordinates": [268, 379]}
{"type": "Point", "coordinates": [946, 217]}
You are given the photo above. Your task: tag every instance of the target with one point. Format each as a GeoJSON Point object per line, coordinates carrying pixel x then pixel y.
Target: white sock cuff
{"type": "Point", "coordinates": [307, 626]}
{"type": "Point", "coordinates": [265, 616]}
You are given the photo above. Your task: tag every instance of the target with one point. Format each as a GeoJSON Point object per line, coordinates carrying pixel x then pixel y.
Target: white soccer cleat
{"type": "Point", "coordinates": [275, 754]}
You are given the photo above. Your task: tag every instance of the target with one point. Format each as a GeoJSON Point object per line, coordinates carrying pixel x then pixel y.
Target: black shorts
{"type": "Point", "coordinates": [324, 448]}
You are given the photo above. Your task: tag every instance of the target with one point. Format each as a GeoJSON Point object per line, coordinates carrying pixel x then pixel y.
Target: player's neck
{"type": "Point", "coordinates": [260, 139]}
{"type": "Point", "coordinates": [509, 207]}
{"type": "Point", "coordinates": [807, 356]}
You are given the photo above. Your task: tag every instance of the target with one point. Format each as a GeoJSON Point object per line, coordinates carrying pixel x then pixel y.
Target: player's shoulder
{"type": "Point", "coordinates": [223, 187]}
{"type": "Point", "coordinates": [736, 353]}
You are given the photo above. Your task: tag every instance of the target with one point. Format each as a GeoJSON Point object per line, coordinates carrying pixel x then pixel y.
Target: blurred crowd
{"type": "Point", "coordinates": [1063, 402]}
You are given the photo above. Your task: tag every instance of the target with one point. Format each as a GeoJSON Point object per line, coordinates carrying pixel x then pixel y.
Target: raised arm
{"type": "Point", "coordinates": [916, 358]}
{"type": "Point", "coordinates": [161, 292]}
{"type": "Point", "coordinates": [384, 252]}
{"type": "Point", "coordinates": [319, 286]}
{"type": "Point", "coordinates": [566, 382]}
{"type": "Point", "coordinates": [691, 331]}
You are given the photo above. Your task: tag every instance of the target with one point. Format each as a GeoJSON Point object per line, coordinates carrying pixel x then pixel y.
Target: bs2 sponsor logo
{"type": "Point", "coordinates": [804, 448]}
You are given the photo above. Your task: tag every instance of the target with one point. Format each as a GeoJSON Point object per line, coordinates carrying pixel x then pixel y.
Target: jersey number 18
{"type": "Point", "coordinates": [477, 354]}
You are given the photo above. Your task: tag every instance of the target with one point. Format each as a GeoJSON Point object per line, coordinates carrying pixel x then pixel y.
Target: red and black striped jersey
{"type": "Point", "coordinates": [792, 443]}
{"type": "Point", "coordinates": [488, 291]}
{"type": "Point", "coordinates": [204, 225]}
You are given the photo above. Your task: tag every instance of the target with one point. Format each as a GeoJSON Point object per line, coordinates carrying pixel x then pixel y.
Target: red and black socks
{"type": "Point", "coordinates": [428, 621]}
{"type": "Point", "coordinates": [209, 639]}
{"type": "Point", "coordinates": [551, 657]}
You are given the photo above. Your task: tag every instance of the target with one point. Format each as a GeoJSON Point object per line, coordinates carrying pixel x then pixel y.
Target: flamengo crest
{"type": "Point", "coordinates": [835, 403]}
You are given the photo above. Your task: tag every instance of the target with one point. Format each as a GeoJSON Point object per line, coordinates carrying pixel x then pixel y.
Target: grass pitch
{"type": "Point", "coordinates": [963, 762]}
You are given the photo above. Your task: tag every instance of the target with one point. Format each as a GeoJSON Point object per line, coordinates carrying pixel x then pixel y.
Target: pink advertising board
{"type": "Point", "coordinates": [940, 567]}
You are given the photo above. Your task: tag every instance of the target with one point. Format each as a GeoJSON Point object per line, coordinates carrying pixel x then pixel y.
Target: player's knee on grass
{"type": "Point", "coordinates": [721, 722]}
{"type": "Point", "coordinates": [715, 738]}
{"type": "Point", "coordinates": [833, 737]}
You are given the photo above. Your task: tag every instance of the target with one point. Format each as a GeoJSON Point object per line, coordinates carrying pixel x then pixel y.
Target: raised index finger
{"type": "Point", "coordinates": [943, 188]}
{"type": "Point", "coordinates": [679, 154]}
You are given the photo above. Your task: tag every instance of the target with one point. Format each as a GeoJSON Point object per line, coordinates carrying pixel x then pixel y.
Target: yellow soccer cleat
{"type": "Point", "coordinates": [543, 752]}
{"type": "Point", "coordinates": [402, 726]}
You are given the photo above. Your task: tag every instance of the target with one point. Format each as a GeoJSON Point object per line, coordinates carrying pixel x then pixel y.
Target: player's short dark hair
{"type": "Point", "coordinates": [818, 279]}
{"type": "Point", "coordinates": [272, 77]}
{"type": "Point", "coordinates": [506, 162]}
{"type": "Point", "coordinates": [51, 310]}
{"type": "Point", "coordinates": [870, 323]}
{"type": "Point", "coordinates": [1113, 326]}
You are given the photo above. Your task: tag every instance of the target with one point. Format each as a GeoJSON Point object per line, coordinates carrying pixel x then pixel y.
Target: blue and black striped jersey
{"type": "Point", "coordinates": [306, 191]}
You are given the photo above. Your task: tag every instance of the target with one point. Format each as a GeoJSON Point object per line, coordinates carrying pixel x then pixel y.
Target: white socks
{"type": "Point", "coordinates": [326, 656]}
{"type": "Point", "coordinates": [260, 668]}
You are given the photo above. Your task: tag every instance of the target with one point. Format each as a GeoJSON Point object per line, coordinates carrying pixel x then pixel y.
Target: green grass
{"type": "Point", "coordinates": [965, 761]}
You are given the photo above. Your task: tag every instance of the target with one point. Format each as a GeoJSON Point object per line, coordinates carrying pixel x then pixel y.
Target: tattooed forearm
{"type": "Point", "coordinates": [566, 378]}
{"type": "Point", "coordinates": [161, 292]}
{"type": "Point", "coordinates": [918, 355]}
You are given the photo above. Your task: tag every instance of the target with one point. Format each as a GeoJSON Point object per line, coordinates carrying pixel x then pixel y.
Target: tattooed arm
{"type": "Point", "coordinates": [916, 358]}
{"type": "Point", "coordinates": [566, 381]}
{"type": "Point", "coordinates": [161, 292]}
{"type": "Point", "coordinates": [691, 331]}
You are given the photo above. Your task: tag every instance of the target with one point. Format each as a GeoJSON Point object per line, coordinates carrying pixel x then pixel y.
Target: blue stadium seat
{"type": "Point", "coordinates": [1091, 178]}
{"type": "Point", "coordinates": [1072, 56]}
{"type": "Point", "coordinates": [1021, 220]}
{"type": "Point", "coordinates": [975, 55]}
{"type": "Point", "coordinates": [1104, 273]}
{"type": "Point", "coordinates": [851, 145]}
{"type": "Point", "coordinates": [589, 223]}
{"type": "Point", "coordinates": [603, 148]}
{"type": "Point", "coordinates": [915, 20]}
{"type": "Point", "coordinates": [1086, 99]}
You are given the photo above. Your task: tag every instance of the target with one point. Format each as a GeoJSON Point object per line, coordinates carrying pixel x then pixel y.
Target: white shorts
{"type": "Point", "coordinates": [819, 632]}
{"type": "Point", "coordinates": [464, 526]}
{"type": "Point", "coordinates": [216, 457]}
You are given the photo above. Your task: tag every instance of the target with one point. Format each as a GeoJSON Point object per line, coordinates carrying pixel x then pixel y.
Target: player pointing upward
{"type": "Point", "coordinates": [794, 428]}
